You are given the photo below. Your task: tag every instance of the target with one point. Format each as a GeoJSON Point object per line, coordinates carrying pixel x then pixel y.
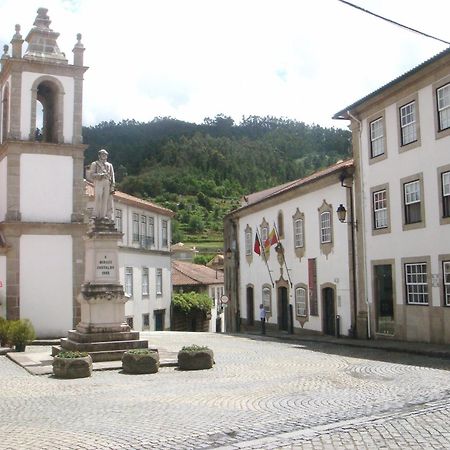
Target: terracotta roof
{"type": "Point", "coordinates": [343, 114]}
{"type": "Point", "coordinates": [261, 196]}
{"type": "Point", "coordinates": [185, 273]}
{"type": "Point", "coordinates": [131, 200]}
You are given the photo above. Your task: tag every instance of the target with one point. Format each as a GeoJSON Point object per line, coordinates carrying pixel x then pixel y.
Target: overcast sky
{"type": "Point", "coordinates": [191, 59]}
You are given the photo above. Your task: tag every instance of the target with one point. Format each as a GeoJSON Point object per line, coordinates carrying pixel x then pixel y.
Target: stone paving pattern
{"type": "Point", "coordinates": [261, 394]}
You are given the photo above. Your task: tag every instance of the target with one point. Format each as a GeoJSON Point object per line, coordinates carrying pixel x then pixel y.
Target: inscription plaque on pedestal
{"type": "Point", "coordinates": [105, 268]}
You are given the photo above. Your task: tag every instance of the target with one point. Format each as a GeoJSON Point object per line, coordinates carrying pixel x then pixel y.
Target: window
{"type": "Point", "coordinates": [412, 202]}
{"type": "Point", "coordinates": [300, 301]}
{"type": "Point", "coordinates": [145, 321]}
{"type": "Point", "coordinates": [416, 283]}
{"type": "Point", "coordinates": [377, 137]}
{"type": "Point", "coordinates": [143, 232]}
{"type": "Point", "coordinates": [135, 227]}
{"type": "Point", "coordinates": [119, 226]}
{"type": "Point", "coordinates": [408, 123]}
{"type": "Point", "coordinates": [446, 273]}
{"type": "Point", "coordinates": [298, 233]}
{"type": "Point", "coordinates": [145, 281]}
{"type": "Point", "coordinates": [130, 322]}
{"type": "Point", "coordinates": [280, 224]}
{"type": "Point", "coordinates": [443, 105]}
{"type": "Point", "coordinates": [325, 227]}
{"type": "Point", "coordinates": [266, 297]}
{"type": "Point", "coordinates": [380, 209]}
{"type": "Point", "coordinates": [128, 281]}
{"type": "Point", "coordinates": [164, 233]}
{"type": "Point", "coordinates": [150, 232]}
{"type": "Point", "coordinates": [264, 234]}
{"type": "Point", "coordinates": [158, 281]}
{"type": "Point", "coordinates": [248, 241]}
{"type": "Point", "coordinates": [445, 194]}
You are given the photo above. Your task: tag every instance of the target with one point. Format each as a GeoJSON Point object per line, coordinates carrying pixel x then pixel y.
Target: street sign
{"type": "Point", "coordinates": [224, 299]}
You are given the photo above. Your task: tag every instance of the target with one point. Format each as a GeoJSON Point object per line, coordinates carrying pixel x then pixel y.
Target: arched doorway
{"type": "Point", "coordinates": [283, 313]}
{"type": "Point", "coordinates": [250, 306]}
{"type": "Point", "coordinates": [329, 311]}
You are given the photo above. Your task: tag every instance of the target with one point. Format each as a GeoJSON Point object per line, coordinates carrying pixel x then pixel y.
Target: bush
{"type": "Point", "coordinates": [140, 351]}
{"type": "Point", "coordinates": [194, 348]}
{"type": "Point", "coordinates": [4, 327]}
{"type": "Point", "coordinates": [21, 333]}
{"type": "Point", "coordinates": [71, 354]}
{"type": "Point", "coordinates": [189, 301]}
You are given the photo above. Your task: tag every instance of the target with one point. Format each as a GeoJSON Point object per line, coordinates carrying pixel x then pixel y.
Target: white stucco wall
{"type": "Point", "coordinates": [431, 240]}
{"type": "Point", "coordinates": [332, 269]}
{"type": "Point", "coordinates": [3, 189]}
{"type": "Point", "coordinates": [28, 78]}
{"type": "Point", "coordinates": [46, 188]}
{"type": "Point", "coordinates": [46, 296]}
{"type": "Point", "coordinates": [2, 285]}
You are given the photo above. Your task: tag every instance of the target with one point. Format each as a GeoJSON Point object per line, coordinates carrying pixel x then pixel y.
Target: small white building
{"type": "Point", "coordinates": [401, 145]}
{"type": "Point", "coordinates": [144, 259]}
{"type": "Point", "coordinates": [306, 283]}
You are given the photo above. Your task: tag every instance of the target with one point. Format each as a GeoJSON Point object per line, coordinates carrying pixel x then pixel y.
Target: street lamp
{"type": "Point", "coordinates": [342, 214]}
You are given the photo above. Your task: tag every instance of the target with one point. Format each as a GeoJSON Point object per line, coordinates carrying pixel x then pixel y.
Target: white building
{"type": "Point", "coordinates": [144, 260]}
{"type": "Point", "coordinates": [41, 181]}
{"type": "Point", "coordinates": [306, 284]}
{"type": "Point", "coordinates": [401, 145]}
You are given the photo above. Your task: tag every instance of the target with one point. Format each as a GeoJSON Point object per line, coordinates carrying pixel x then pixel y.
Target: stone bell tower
{"type": "Point", "coordinates": [41, 179]}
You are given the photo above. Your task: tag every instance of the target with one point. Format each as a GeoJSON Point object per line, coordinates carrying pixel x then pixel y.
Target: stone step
{"type": "Point", "coordinates": [68, 344]}
{"type": "Point", "coordinates": [76, 336]}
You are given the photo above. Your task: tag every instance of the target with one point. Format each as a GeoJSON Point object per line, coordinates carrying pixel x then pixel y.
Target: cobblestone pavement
{"type": "Point", "coordinates": [261, 394]}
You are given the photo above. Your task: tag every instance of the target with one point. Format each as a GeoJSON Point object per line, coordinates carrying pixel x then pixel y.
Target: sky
{"type": "Point", "coordinates": [193, 59]}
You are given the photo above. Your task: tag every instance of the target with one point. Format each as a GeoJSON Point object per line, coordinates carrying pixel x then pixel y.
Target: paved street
{"type": "Point", "coordinates": [261, 394]}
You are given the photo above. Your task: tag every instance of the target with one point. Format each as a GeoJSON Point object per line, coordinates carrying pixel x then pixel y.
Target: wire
{"type": "Point", "coordinates": [394, 22]}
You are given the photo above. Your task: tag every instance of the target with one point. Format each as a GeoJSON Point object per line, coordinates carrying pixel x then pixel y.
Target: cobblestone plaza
{"type": "Point", "coordinates": [261, 394]}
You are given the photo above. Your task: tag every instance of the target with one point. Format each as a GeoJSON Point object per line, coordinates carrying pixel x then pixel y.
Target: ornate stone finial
{"type": "Point", "coordinates": [5, 50]}
{"type": "Point", "coordinates": [78, 52]}
{"type": "Point", "coordinates": [42, 20]}
{"type": "Point", "coordinates": [17, 35]}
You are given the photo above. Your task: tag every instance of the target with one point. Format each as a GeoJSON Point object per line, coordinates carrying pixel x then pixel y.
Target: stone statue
{"type": "Point", "coordinates": [102, 174]}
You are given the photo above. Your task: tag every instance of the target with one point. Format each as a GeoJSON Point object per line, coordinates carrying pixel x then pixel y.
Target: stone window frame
{"type": "Point", "coordinates": [326, 247]}
{"type": "Point", "coordinates": [373, 190]}
{"type": "Point", "coordinates": [6, 111]}
{"type": "Point", "coordinates": [421, 223]}
{"type": "Point", "coordinates": [300, 250]}
{"type": "Point", "coordinates": [417, 260]}
{"type": "Point", "coordinates": [59, 107]}
{"type": "Point", "coordinates": [118, 219]}
{"type": "Point", "coordinates": [159, 281]}
{"type": "Point", "coordinates": [164, 233]}
{"type": "Point", "coordinates": [143, 230]}
{"type": "Point", "coordinates": [418, 142]}
{"type": "Point", "coordinates": [375, 117]}
{"type": "Point", "coordinates": [248, 241]}
{"type": "Point", "coordinates": [135, 227]}
{"type": "Point", "coordinates": [439, 134]}
{"type": "Point", "coordinates": [150, 233]}
{"type": "Point", "coordinates": [301, 317]}
{"type": "Point", "coordinates": [440, 171]}
{"type": "Point", "coordinates": [280, 223]}
{"type": "Point", "coordinates": [145, 326]}
{"type": "Point", "coordinates": [264, 234]}
{"type": "Point", "coordinates": [266, 287]}
{"type": "Point", "coordinates": [128, 282]}
{"type": "Point", "coordinates": [445, 258]}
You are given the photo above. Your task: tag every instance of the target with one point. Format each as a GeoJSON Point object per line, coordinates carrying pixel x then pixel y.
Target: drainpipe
{"type": "Point", "coordinates": [363, 228]}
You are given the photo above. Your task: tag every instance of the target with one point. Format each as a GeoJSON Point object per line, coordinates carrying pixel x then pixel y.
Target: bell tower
{"type": "Point", "coordinates": [41, 179]}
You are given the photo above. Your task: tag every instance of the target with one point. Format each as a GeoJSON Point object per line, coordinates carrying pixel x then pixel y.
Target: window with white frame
{"type": "Point", "coordinates": [380, 209]}
{"type": "Point", "coordinates": [446, 273]}
{"type": "Point", "coordinates": [164, 233]}
{"type": "Point", "coordinates": [143, 232]}
{"type": "Point", "coordinates": [416, 281]}
{"type": "Point", "coordinates": [408, 123]}
{"type": "Point", "coordinates": [135, 227]}
{"type": "Point", "coordinates": [119, 225]}
{"type": "Point", "coordinates": [266, 297]}
{"type": "Point", "coordinates": [443, 105]}
{"type": "Point", "coordinates": [377, 137]}
{"type": "Point", "coordinates": [445, 194]}
{"type": "Point", "coordinates": [145, 281]}
{"type": "Point", "coordinates": [300, 301]}
{"type": "Point", "coordinates": [150, 231]}
{"type": "Point", "coordinates": [128, 281]}
{"type": "Point", "coordinates": [248, 242]}
{"type": "Point", "coordinates": [159, 282]}
{"type": "Point", "coordinates": [298, 233]}
{"type": "Point", "coordinates": [412, 202]}
{"type": "Point", "coordinates": [325, 227]}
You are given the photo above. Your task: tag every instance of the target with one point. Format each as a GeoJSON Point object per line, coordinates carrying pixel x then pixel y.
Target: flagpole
{"type": "Point", "coordinates": [265, 257]}
{"type": "Point", "coordinates": [282, 253]}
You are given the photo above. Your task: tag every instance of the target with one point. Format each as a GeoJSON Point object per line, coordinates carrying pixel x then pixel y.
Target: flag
{"type": "Point", "coordinates": [272, 239]}
{"type": "Point", "coordinates": [257, 246]}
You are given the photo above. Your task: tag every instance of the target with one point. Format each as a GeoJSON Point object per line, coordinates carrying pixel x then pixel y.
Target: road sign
{"type": "Point", "coordinates": [224, 299]}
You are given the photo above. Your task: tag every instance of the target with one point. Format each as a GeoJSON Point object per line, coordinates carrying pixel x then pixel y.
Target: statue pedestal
{"type": "Point", "coordinates": [102, 331]}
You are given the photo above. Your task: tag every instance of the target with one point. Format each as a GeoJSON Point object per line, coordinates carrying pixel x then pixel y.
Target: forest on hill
{"type": "Point", "coordinates": [200, 171]}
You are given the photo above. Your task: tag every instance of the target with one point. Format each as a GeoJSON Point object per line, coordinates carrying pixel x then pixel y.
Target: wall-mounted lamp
{"type": "Point", "coordinates": [342, 214]}
{"type": "Point", "coordinates": [228, 253]}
